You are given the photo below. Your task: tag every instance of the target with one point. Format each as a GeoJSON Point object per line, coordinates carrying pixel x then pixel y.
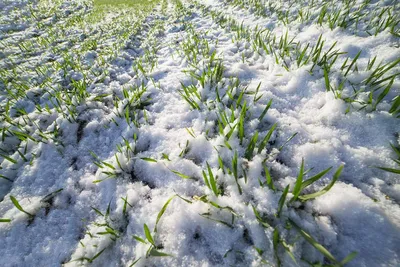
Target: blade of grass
{"type": "Point", "coordinates": [258, 217]}
{"type": "Point", "coordinates": [268, 179]}
{"type": "Point", "coordinates": [251, 146]}
{"type": "Point", "coordinates": [148, 159]}
{"type": "Point", "coordinates": [212, 181]}
{"type": "Point", "coordinates": [9, 159]}
{"type": "Point", "coordinates": [282, 200]}
{"type": "Point", "coordinates": [162, 211]}
{"type": "Point", "coordinates": [266, 138]}
{"type": "Point", "coordinates": [6, 178]}
{"type": "Point", "coordinates": [97, 255]}
{"type": "Point", "coordinates": [352, 63]}
{"type": "Point", "coordinates": [287, 141]}
{"type": "Point", "coordinates": [326, 78]}
{"type": "Point", "coordinates": [183, 176]}
{"type": "Point", "coordinates": [349, 258]}
{"type": "Point", "coordinates": [265, 110]}
{"type": "Point", "coordinates": [275, 242]}
{"type": "Point", "coordinates": [383, 93]}
{"type": "Point", "coordinates": [235, 171]}
{"type": "Point", "coordinates": [297, 188]}
{"type": "Point", "coordinates": [396, 104]}
{"type": "Point", "coordinates": [216, 220]}
{"type": "Point", "coordinates": [241, 122]}
{"type": "Point", "coordinates": [156, 253]}
{"type": "Point", "coordinates": [314, 178]}
{"type": "Point", "coordinates": [134, 262]}
{"type": "Point", "coordinates": [18, 206]}
{"type": "Point", "coordinates": [137, 238]}
{"type": "Point", "coordinates": [148, 234]}
{"type": "Point", "coordinates": [314, 243]}
{"type": "Point", "coordinates": [389, 170]}
{"type": "Point", "coordinates": [325, 189]}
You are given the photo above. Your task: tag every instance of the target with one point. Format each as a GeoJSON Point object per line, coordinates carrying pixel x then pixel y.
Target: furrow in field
{"type": "Point", "coordinates": [66, 162]}
{"type": "Point", "coordinates": [277, 84]}
{"type": "Point", "coordinates": [362, 18]}
{"type": "Point", "coordinates": [337, 137]}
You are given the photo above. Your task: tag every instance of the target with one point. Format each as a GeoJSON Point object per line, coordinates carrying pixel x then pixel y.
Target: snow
{"type": "Point", "coordinates": [100, 158]}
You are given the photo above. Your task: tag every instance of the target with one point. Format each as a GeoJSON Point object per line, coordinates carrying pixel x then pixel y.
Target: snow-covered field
{"type": "Point", "coordinates": [200, 133]}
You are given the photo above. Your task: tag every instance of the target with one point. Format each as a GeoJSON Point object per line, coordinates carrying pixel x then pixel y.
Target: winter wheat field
{"type": "Point", "coordinates": [199, 133]}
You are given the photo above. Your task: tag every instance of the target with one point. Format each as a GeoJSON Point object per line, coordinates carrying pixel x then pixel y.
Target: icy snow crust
{"type": "Point", "coordinates": [95, 105]}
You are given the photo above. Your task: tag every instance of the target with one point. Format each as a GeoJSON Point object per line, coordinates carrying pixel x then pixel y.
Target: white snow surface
{"type": "Point", "coordinates": [359, 213]}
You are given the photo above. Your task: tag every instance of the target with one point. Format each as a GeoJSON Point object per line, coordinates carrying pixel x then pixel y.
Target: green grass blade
{"type": "Point", "coordinates": [108, 210]}
{"type": "Point", "coordinates": [268, 179]}
{"type": "Point", "coordinates": [241, 122]}
{"type": "Point", "coordinates": [396, 150]}
{"type": "Point", "coordinates": [258, 217]}
{"type": "Point", "coordinates": [229, 134]}
{"type": "Point", "coordinates": [396, 105]}
{"type": "Point", "coordinates": [314, 243]}
{"type": "Point", "coordinates": [156, 253]}
{"type": "Point", "coordinates": [266, 138]}
{"type": "Point", "coordinates": [148, 234]}
{"type": "Point", "coordinates": [212, 181]}
{"type": "Point", "coordinates": [383, 93]}
{"type": "Point", "coordinates": [206, 179]}
{"type": "Point", "coordinates": [108, 165]}
{"type": "Point", "coordinates": [314, 178]}
{"type": "Point", "coordinates": [216, 220]}
{"type": "Point", "coordinates": [183, 176]}
{"type": "Point", "coordinates": [352, 63]}
{"type": "Point", "coordinates": [349, 258]}
{"type": "Point", "coordinates": [18, 206]}
{"type": "Point", "coordinates": [287, 141]}
{"type": "Point", "coordinates": [134, 262]}
{"type": "Point", "coordinates": [390, 170]}
{"type": "Point", "coordinates": [275, 242]}
{"type": "Point", "coordinates": [288, 251]}
{"type": "Point", "coordinates": [148, 159]}
{"type": "Point", "coordinates": [160, 214]}
{"type": "Point", "coordinates": [8, 158]}
{"type": "Point", "coordinates": [97, 211]}
{"type": "Point", "coordinates": [282, 200]}
{"type": "Point", "coordinates": [235, 171]}
{"type": "Point", "coordinates": [325, 189]}
{"type": "Point", "coordinates": [5, 178]}
{"type": "Point", "coordinates": [297, 188]}
{"type": "Point", "coordinates": [221, 164]}
{"type": "Point", "coordinates": [265, 110]}
{"type": "Point", "coordinates": [97, 255]}
{"type": "Point", "coordinates": [252, 145]}
{"type": "Point", "coordinates": [137, 238]}
{"type": "Point", "coordinates": [326, 78]}
{"type": "Point", "coordinates": [50, 196]}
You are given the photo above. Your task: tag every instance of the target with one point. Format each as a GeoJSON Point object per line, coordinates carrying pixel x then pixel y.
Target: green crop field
{"type": "Point", "coordinates": [199, 133]}
{"type": "Point", "coordinates": [131, 3]}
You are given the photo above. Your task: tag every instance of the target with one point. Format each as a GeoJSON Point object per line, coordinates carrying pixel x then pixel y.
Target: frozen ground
{"type": "Point", "coordinates": [174, 134]}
